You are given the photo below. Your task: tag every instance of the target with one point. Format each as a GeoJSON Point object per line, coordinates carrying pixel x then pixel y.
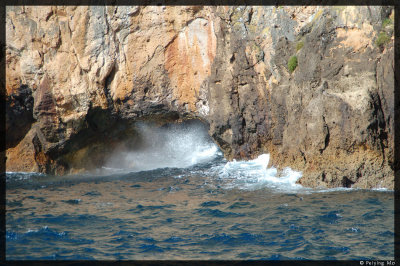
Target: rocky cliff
{"type": "Point", "coordinates": [312, 86]}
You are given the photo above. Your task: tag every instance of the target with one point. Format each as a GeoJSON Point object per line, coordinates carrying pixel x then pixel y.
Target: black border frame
{"type": "Point", "coordinates": [396, 128]}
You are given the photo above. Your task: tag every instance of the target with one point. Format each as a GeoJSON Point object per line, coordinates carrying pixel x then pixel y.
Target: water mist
{"type": "Point", "coordinates": [177, 145]}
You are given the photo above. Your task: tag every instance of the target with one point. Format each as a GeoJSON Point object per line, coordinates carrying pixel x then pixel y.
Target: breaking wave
{"type": "Point", "coordinates": [255, 174]}
{"type": "Point", "coordinates": [173, 146]}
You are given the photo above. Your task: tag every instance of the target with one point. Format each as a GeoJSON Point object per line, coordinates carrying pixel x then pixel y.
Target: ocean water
{"type": "Point", "coordinates": [185, 201]}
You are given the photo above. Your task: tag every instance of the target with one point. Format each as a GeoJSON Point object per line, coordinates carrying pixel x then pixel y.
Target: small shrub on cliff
{"type": "Point", "coordinates": [292, 63]}
{"type": "Point", "coordinates": [386, 22]}
{"type": "Point", "coordinates": [299, 45]}
{"type": "Point", "coordinates": [383, 38]}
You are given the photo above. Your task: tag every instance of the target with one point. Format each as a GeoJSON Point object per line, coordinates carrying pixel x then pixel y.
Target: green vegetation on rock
{"type": "Point", "coordinates": [383, 38]}
{"type": "Point", "coordinates": [386, 22]}
{"type": "Point", "coordinates": [292, 63]}
{"type": "Point", "coordinates": [299, 45]}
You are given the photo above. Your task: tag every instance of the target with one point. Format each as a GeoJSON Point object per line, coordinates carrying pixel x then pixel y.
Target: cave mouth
{"type": "Point", "coordinates": [153, 146]}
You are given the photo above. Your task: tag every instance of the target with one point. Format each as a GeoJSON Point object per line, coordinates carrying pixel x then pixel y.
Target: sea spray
{"type": "Point", "coordinates": [175, 145]}
{"type": "Point", "coordinates": [185, 145]}
{"type": "Point", "coordinates": [255, 174]}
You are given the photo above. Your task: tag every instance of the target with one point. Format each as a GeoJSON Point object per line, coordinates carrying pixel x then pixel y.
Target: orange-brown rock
{"type": "Point", "coordinates": [189, 58]}
{"type": "Point", "coordinates": [79, 78]}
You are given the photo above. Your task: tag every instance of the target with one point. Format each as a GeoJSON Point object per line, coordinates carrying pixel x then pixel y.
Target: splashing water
{"type": "Point", "coordinates": [254, 174]}
{"type": "Point", "coordinates": [175, 146]}
{"type": "Point", "coordinates": [188, 144]}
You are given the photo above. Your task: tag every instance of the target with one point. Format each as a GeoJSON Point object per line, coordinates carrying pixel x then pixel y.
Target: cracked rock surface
{"type": "Point", "coordinates": [78, 78]}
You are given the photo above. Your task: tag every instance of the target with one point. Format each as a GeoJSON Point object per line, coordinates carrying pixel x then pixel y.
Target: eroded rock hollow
{"type": "Point", "coordinates": [312, 86]}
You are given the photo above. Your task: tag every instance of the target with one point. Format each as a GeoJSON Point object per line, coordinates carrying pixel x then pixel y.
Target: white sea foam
{"type": "Point", "coordinates": [21, 176]}
{"type": "Point", "coordinates": [382, 189]}
{"type": "Point", "coordinates": [340, 189]}
{"type": "Point", "coordinates": [255, 174]}
{"type": "Point", "coordinates": [25, 173]}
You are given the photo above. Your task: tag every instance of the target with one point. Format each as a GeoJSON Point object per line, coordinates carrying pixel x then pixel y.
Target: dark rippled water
{"type": "Point", "coordinates": [192, 213]}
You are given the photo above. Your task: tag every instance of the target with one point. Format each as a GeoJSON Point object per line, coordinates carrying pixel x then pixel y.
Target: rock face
{"type": "Point", "coordinates": [78, 78]}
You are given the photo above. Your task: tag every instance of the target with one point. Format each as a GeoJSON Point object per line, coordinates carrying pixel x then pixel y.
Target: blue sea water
{"type": "Point", "coordinates": [184, 214]}
{"type": "Point", "coordinates": [208, 209]}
